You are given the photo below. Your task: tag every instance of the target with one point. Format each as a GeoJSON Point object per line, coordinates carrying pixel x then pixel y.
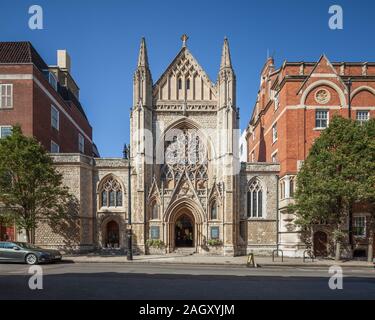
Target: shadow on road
{"type": "Point", "coordinates": [143, 286]}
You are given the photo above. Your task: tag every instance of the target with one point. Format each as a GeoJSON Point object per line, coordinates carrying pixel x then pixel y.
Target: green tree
{"type": "Point", "coordinates": [31, 189]}
{"type": "Point", "coordinates": [338, 172]}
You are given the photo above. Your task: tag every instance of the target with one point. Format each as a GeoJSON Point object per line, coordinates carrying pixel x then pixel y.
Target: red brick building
{"type": "Point", "coordinates": [43, 100]}
{"type": "Point", "coordinates": [295, 103]}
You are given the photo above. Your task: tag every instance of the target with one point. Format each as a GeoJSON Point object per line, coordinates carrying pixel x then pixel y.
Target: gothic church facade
{"type": "Point", "coordinates": [182, 186]}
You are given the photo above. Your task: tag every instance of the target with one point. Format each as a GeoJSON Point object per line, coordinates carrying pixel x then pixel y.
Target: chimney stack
{"type": "Point", "coordinates": [63, 60]}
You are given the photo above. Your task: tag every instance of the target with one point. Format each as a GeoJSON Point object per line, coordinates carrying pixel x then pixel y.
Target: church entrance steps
{"type": "Point", "coordinates": [184, 251]}
{"type": "Point", "coordinates": [111, 252]}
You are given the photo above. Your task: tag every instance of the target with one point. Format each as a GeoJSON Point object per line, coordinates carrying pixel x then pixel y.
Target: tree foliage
{"type": "Point", "coordinates": [31, 190]}
{"type": "Point", "coordinates": [338, 172]}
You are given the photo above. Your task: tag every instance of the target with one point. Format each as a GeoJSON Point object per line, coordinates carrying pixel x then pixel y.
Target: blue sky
{"type": "Point", "coordinates": [103, 39]}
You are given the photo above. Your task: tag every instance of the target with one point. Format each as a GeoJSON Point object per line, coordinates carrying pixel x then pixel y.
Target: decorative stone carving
{"type": "Point", "coordinates": [322, 96]}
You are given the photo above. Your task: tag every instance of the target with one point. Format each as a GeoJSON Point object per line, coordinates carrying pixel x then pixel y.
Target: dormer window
{"type": "Point", "coordinates": [51, 77]}
{"type": "Point", "coordinates": [52, 80]}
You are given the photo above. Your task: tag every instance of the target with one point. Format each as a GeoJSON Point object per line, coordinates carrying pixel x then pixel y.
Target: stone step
{"type": "Point", "coordinates": [185, 251]}
{"type": "Point", "coordinates": [112, 252]}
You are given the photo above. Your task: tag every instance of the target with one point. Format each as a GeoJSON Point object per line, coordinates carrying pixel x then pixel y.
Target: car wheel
{"type": "Point", "coordinates": [31, 259]}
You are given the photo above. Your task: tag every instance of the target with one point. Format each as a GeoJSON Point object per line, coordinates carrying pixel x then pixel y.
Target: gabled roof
{"type": "Point", "coordinates": [319, 66]}
{"type": "Point", "coordinates": [185, 52]}
{"type": "Point", "coordinates": [19, 53]}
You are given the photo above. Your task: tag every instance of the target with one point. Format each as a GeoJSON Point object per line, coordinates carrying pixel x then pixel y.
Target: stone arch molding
{"type": "Point", "coordinates": [102, 225]}
{"type": "Point", "coordinates": [104, 180]}
{"type": "Point", "coordinates": [177, 207]}
{"type": "Point", "coordinates": [260, 181]}
{"type": "Point", "coordinates": [360, 89]}
{"type": "Point", "coordinates": [184, 122]}
{"type": "Point", "coordinates": [328, 83]}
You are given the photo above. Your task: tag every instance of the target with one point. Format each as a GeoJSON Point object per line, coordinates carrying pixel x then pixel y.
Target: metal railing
{"type": "Point", "coordinates": [277, 252]}
{"type": "Point", "coordinates": [310, 255]}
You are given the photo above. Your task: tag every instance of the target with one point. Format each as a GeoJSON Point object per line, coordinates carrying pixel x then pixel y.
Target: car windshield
{"type": "Point", "coordinates": [26, 245]}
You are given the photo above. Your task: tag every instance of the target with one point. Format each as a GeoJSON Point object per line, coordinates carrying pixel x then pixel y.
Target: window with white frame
{"type": "Point", "coordinates": [6, 95]}
{"type": "Point", "coordinates": [274, 157]}
{"type": "Point", "coordinates": [55, 117]}
{"type": "Point", "coordinates": [255, 200]}
{"type": "Point", "coordinates": [282, 189]}
{"type": "Point", "coordinates": [81, 143]}
{"type": "Point", "coordinates": [253, 134]}
{"type": "Point", "coordinates": [5, 131]}
{"type": "Point", "coordinates": [359, 226]}
{"type": "Point", "coordinates": [363, 116]}
{"type": "Point", "coordinates": [292, 186]}
{"type": "Point", "coordinates": [321, 119]}
{"type": "Point", "coordinates": [274, 133]}
{"type": "Point", "coordinates": [253, 157]}
{"type": "Point", "coordinates": [55, 148]}
{"type": "Point", "coordinates": [276, 101]}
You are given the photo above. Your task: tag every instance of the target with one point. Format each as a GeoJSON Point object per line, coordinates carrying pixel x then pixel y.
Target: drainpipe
{"type": "Point", "coordinates": [349, 85]}
{"type": "Point", "coordinates": [304, 133]}
{"type": "Point", "coordinates": [277, 212]}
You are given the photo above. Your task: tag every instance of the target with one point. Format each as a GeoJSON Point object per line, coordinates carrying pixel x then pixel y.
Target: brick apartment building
{"type": "Point", "coordinates": [43, 100]}
{"type": "Point", "coordinates": [295, 103]}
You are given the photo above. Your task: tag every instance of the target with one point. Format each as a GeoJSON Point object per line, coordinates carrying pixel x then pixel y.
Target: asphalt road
{"type": "Point", "coordinates": [182, 282]}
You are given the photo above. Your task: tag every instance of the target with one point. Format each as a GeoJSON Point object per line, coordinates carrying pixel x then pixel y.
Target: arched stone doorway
{"type": "Point", "coordinates": [184, 231]}
{"type": "Point", "coordinates": [320, 244]}
{"type": "Point", "coordinates": [112, 239]}
{"type": "Point", "coordinates": [184, 217]}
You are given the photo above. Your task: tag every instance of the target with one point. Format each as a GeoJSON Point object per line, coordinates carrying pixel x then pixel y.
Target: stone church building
{"type": "Point", "coordinates": [182, 181]}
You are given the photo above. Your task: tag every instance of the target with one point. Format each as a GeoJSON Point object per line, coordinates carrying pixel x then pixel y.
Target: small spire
{"type": "Point", "coordinates": [184, 39]}
{"type": "Point", "coordinates": [142, 58]}
{"type": "Point", "coordinates": [225, 56]}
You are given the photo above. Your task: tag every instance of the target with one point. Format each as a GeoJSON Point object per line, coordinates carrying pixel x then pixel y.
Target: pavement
{"type": "Point", "coordinates": [260, 261]}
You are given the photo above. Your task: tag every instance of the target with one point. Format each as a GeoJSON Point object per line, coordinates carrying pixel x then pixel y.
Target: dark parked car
{"type": "Point", "coordinates": [27, 253]}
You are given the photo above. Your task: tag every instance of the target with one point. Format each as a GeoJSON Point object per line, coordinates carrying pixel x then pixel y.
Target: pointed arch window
{"type": "Point", "coordinates": [155, 211]}
{"type": "Point", "coordinates": [214, 211]}
{"type": "Point", "coordinates": [188, 84]}
{"type": "Point", "coordinates": [180, 84]}
{"type": "Point", "coordinates": [255, 200]}
{"type": "Point", "coordinates": [111, 193]}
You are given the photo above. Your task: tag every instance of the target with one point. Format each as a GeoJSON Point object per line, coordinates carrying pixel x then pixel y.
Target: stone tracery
{"type": "Point", "coordinates": [186, 152]}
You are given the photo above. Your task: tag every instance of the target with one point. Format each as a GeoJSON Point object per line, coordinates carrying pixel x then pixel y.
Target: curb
{"type": "Point", "coordinates": [259, 265]}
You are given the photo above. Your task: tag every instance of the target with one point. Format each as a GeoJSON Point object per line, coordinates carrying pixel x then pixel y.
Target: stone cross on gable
{"type": "Point", "coordinates": [184, 39]}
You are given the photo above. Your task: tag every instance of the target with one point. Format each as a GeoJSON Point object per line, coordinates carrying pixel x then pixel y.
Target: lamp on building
{"type": "Point", "coordinates": [129, 234]}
